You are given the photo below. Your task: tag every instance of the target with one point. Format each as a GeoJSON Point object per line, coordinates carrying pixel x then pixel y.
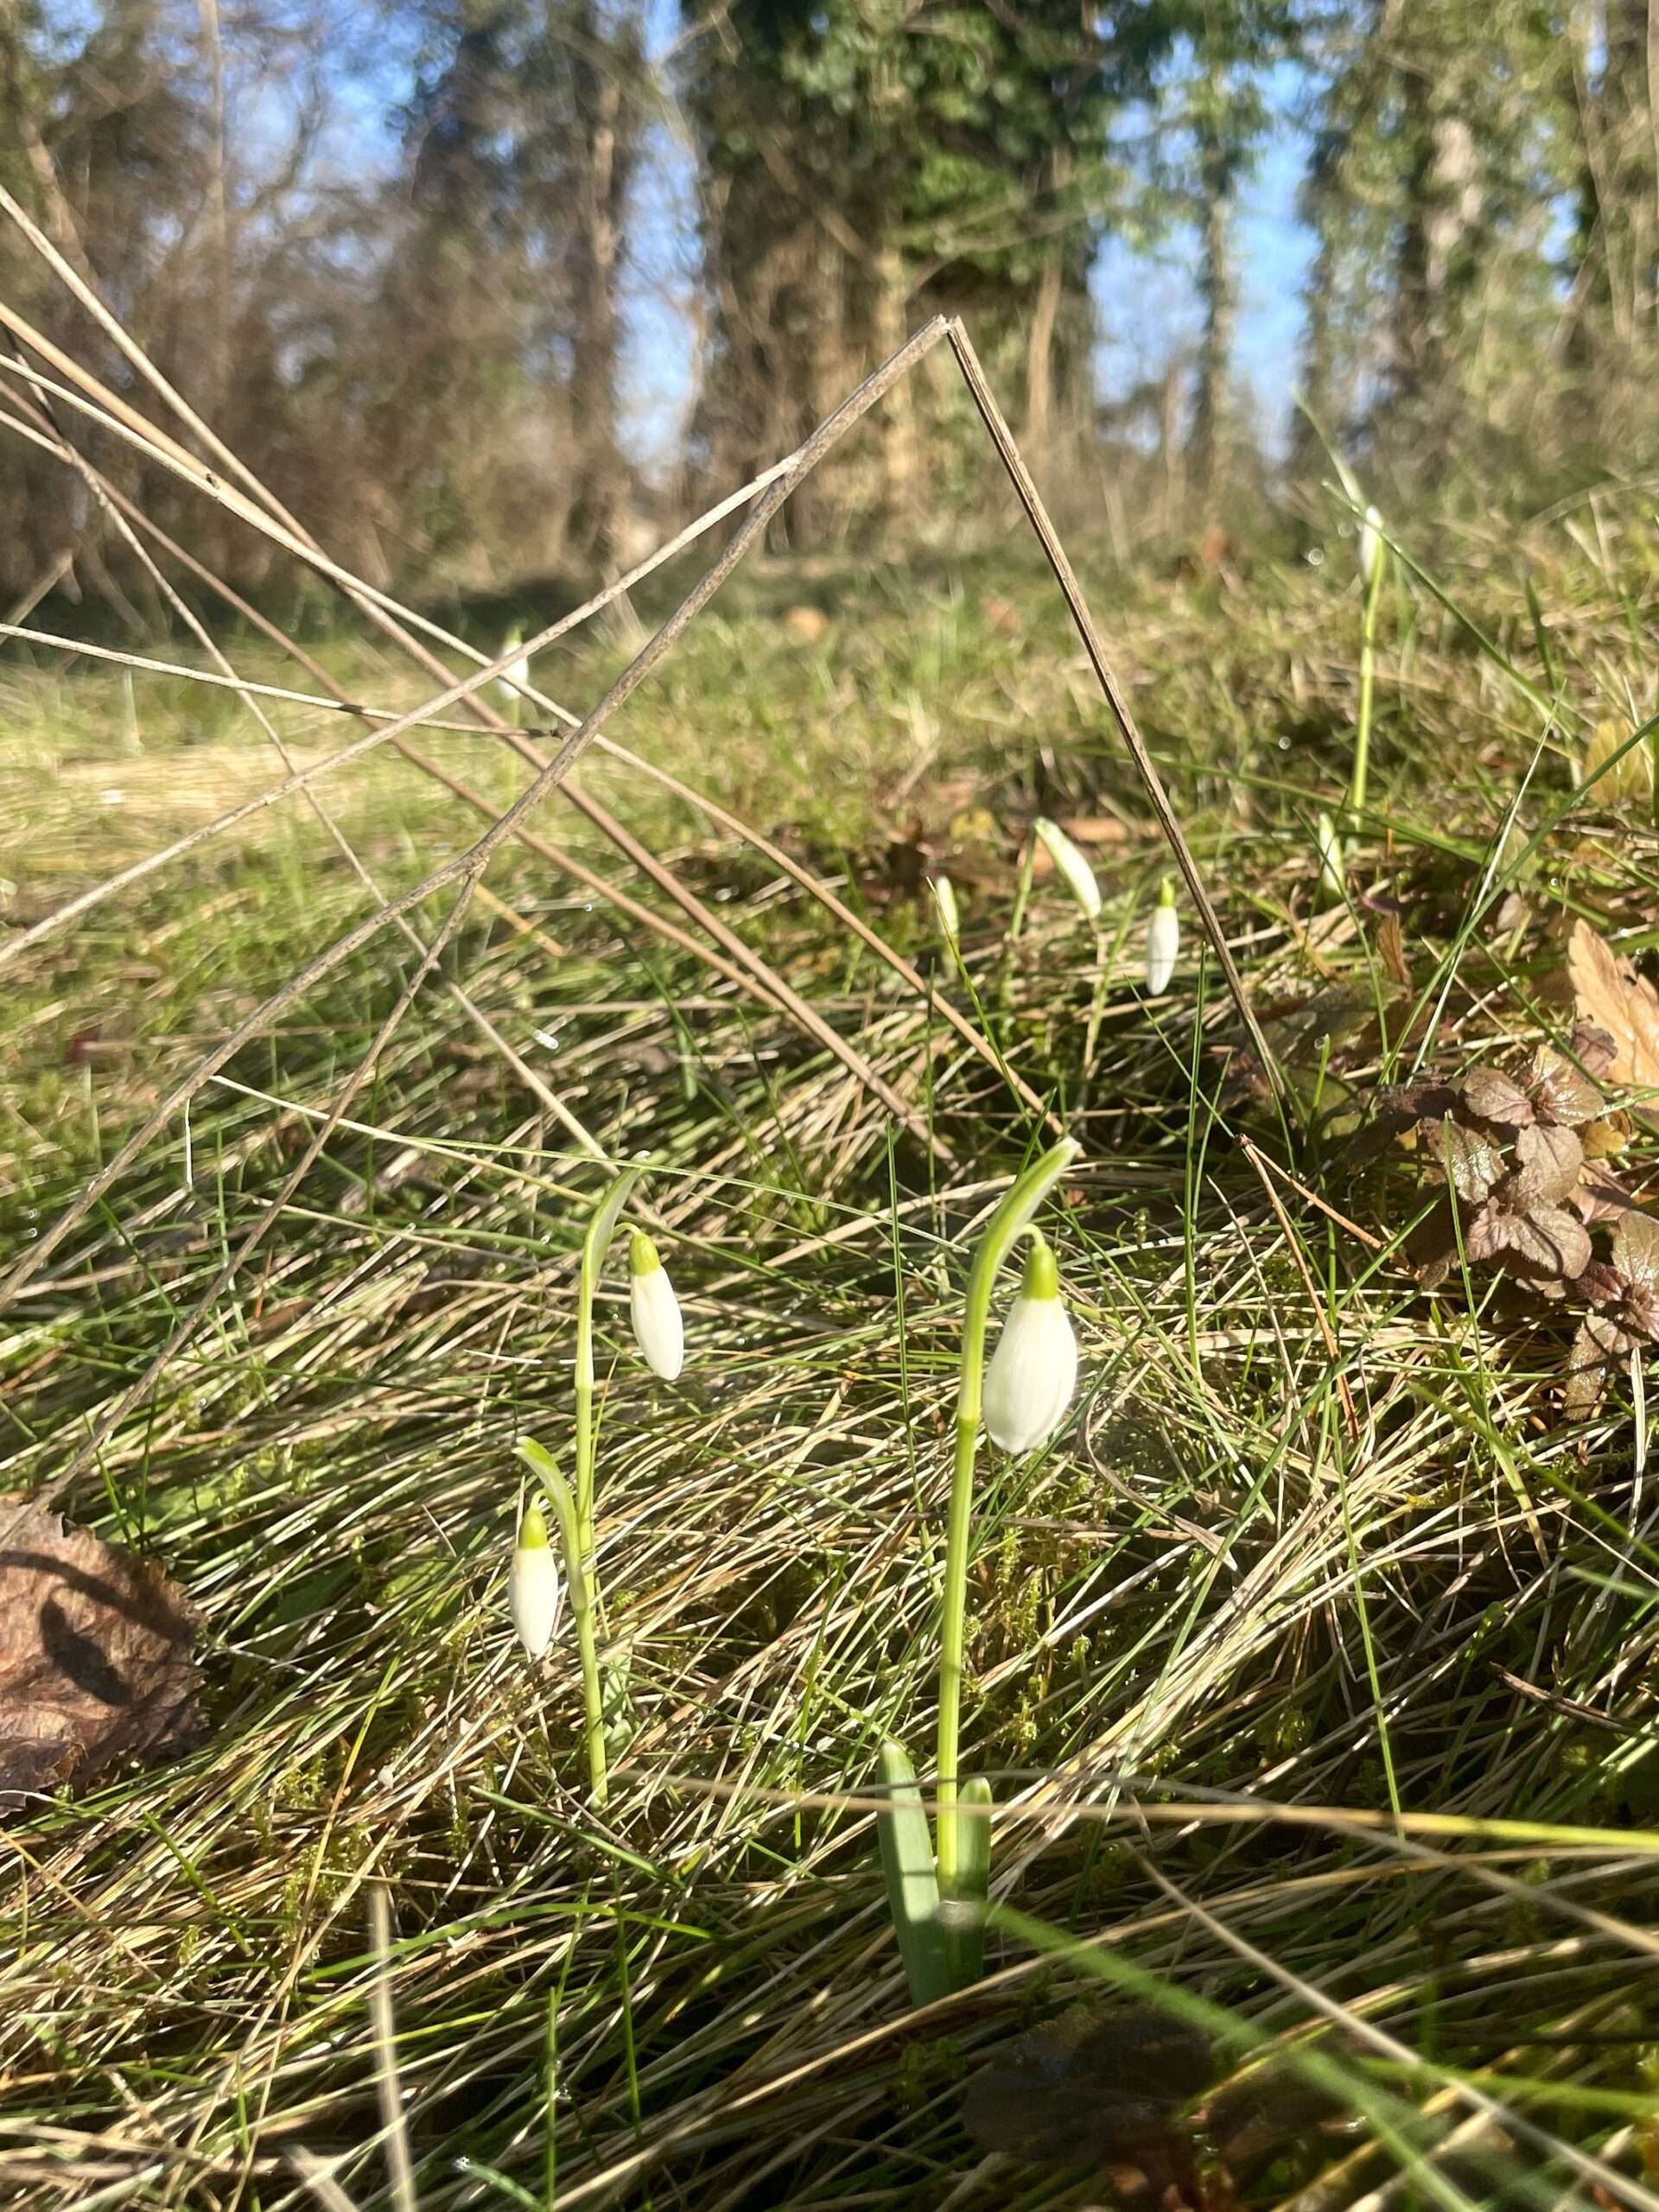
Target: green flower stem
{"type": "Point", "coordinates": [594, 1246]}
{"type": "Point", "coordinates": [1002, 1233]}
{"type": "Point", "coordinates": [545, 1469]}
{"type": "Point", "coordinates": [1367, 686]}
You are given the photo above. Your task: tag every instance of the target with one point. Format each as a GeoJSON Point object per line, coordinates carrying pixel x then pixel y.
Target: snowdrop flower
{"type": "Point", "coordinates": [1163, 939]}
{"type": "Point", "coordinates": [534, 1591]}
{"type": "Point", "coordinates": [1370, 543]}
{"type": "Point", "coordinates": [1034, 1369]}
{"type": "Point", "coordinates": [654, 1310]}
{"type": "Point", "coordinates": [1331, 862]}
{"type": "Point", "coordinates": [1079, 876]}
{"type": "Point", "coordinates": [516, 670]}
{"type": "Point", "coordinates": [944, 908]}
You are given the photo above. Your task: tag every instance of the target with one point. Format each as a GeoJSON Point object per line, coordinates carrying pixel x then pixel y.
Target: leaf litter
{"type": "Point", "coordinates": [96, 1656]}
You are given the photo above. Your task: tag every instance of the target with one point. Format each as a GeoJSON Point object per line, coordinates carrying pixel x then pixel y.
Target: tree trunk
{"type": "Point", "coordinates": [598, 511]}
{"type": "Point", "coordinates": [1218, 284]}
{"type": "Point", "coordinates": [890, 326]}
{"type": "Point", "coordinates": [1040, 377]}
{"type": "Point", "coordinates": [1445, 204]}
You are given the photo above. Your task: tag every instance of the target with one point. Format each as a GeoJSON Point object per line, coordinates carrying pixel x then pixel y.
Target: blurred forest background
{"type": "Point", "coordinates": [405, 257]}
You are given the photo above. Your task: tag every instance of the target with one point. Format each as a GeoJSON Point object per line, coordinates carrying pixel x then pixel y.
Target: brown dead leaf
{"type": "Point", "coordinates": [1391, 951]}
{"type": "Point", "coordinates": [95, 1656]}
{"type": "Point", "coordinates": [1612, 995]}
{"type": "Point", "coordinates": [1094, 829]}
{"type": "Point", "coordinates": [808, 624]}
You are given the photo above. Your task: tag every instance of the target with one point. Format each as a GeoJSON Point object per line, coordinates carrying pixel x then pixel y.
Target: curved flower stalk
{"type": "Point", "coordinates": [1163, 940]}
{"type": "Point", "coordinates": [937, 1903]}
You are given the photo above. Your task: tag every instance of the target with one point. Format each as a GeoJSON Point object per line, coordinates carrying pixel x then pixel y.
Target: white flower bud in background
{"type": "Point", "coordinates": [516, 671]}
{"type": "Point", "coordinates": [534, 1591]}
{"type": "Point", "coordinates": [654, 1310]}
{"type": "Point", "coordinates": [1079, 875]}
{"type": "Point", "coordinates": [944, 909]}
{"type": "Point", "coordinates": [1331, 862]}
{"type": "Point", "coordinates": [1033, 1370]}
{"type": "Point", "coordinates": [1163, 939]}
{"type": "Point", "coordinates": [1370, 543]}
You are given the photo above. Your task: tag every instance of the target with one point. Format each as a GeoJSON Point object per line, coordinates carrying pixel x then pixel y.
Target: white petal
{"type": "Point", "coordinates": [534, 1595]}
{"type": "Point", "coordinates": [1369, 541]}
{"type": "Point", "coordinates": [1163, 943]}
{"type": "Point", "coordinates": [657, 1328]}
{"type": "Point", "coordinates": [1079, 876]}
{"type": "Point", "coordinates": [1033, 1374]}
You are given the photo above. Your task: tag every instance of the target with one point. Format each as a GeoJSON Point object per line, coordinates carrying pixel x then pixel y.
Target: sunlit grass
{"type": "Point", "coordinates": [1367, 1590]}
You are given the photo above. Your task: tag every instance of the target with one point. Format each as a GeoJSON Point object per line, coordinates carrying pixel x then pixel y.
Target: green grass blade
{"type": "Point", "coordinates": [912, 1888]}
{"type": "Point", "coordinates": [964, 1908]}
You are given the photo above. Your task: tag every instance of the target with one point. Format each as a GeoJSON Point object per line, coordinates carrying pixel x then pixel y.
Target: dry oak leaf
{"type": "Point", "coordinates": [95, 1656]}
{"type": "Point", "coordinates": [1610, 994]}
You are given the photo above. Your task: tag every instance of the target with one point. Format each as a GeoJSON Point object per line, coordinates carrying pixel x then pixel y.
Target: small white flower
{"type": "Point", "coordinates": [1163, 940]}
{"type": "Point", "coordinates": [1370, 543]}
{"type": "Point", "coordinates": [534, 1591]}
{"type": "Point", "coordinates": [516, 671]}
{"type": "Point", "coordinates": [1079, 876]}
{"type": "Point", "coordinates": [945, 908]}
{"type": "Point", "coordinates": [1033, 1370]}
{"type": "Point", "coordinates": [1332, 861]}
{"type": "Point", "coordinates": [654, 1310]}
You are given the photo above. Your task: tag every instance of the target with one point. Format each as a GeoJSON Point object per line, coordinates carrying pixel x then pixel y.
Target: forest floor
{"type": "Point", "coordinates": [1312, 1662]}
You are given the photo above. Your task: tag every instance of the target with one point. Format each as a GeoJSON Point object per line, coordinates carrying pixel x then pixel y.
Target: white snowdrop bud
{"type": "Point", "coordinates": [1033, 1370]}
{"type": "Point", "coordinates": [654, 1310]}
{"type": "Point", "coordinates": [1163, 939]}
{"type": "Point", "coordinates": [1370, 543]}
{"type": "Point", "coordinates": [1079, 876]}
{"type": "Point", "coordinates": [1332, 861]}
{"type": "Point", "coordinates": [534, 1591]}
{"type": "Point", "coordinates": [944, 908]}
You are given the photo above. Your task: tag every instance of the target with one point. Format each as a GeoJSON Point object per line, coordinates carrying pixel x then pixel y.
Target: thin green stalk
{"type": "Point", "coordinates": [1366, 686]}
{"type": "Point", "coordinates": [594, 1246]}
{"type": "Point", "coordinates": [545, 1469]}
{"type": "Point", "coordinates": [1001, 1232]}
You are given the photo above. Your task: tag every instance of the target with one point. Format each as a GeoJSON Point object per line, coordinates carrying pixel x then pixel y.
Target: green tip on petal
{"type": "Point", "coordinates": [533, 1530]}
{"type": "Point", "coordinates": [1042, 1275]}
{"type": "Point", "coordinates": [642, 1258]}
{"type": "Point", "coordinates": [1166, 891]}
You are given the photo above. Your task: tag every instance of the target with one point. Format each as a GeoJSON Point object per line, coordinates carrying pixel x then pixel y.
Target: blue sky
{"type": "Point", "coordinates": [1147, 302]}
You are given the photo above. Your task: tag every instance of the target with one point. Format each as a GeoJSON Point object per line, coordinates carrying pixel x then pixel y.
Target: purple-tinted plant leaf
{"type": "Point", "coordinates": [1473, 1162]}
{"type": "Point", "coordinates": [1555, 1242]}
{"type": "Point", "coordinates": [1559, 1092]}
{"type": "Point", "coordinates": [1496, 1098]}
{"type": "Point", "coordinates": [1594, 1049]}
{"type": "Point", "coordinates": [1550, 1159]}
{"type": "Point", "coordinates": [1636, 1251]}
{"type": "Point", "coordinates": [1601, 1197]}
{"type": "Point", "coordinates": [1597, 1341]}
{"type": "Point", "coordinates": [1600, 1284]}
